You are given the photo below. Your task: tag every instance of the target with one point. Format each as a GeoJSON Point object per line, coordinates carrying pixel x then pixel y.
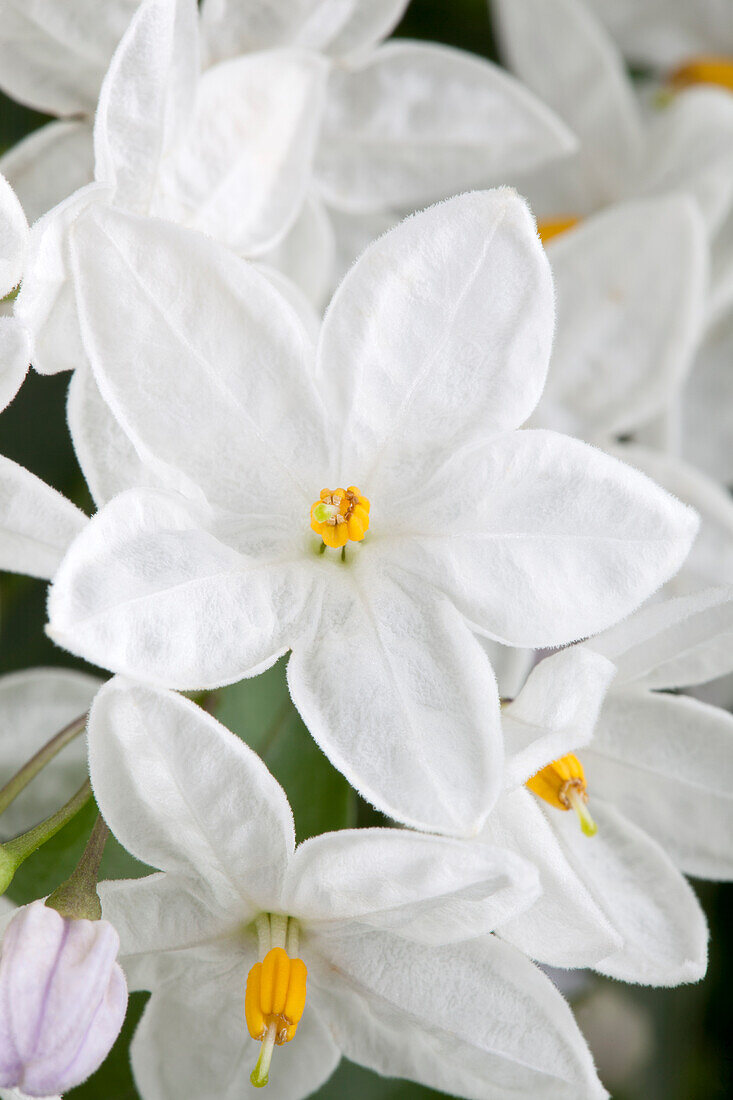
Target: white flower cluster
{"type": "Point", "coordinates": [491, 443]}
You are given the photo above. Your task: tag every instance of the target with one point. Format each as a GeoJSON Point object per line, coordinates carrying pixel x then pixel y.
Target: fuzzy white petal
{"type": "Point", "coordinates": [400, 696]}
{"type": "Point", "coordinates": [148, 591]}
{"type": "Point", "coordinates": [180, 818]}
{"type": "Point", "coordinates": [203, 363]}
{"type": "Point", "coordinates": [445, 324]}
{"type": "Point", "coordinates": [562, 540]}
{"type": "Point", "coordinates": [475, 1019]}
{"type": "Point", "coordinates": [429, 889]}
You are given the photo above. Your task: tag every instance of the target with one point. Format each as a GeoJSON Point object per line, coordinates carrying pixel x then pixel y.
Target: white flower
{"type": "Point", "coordinates": [15, 344]}
{"type": "Point", "coordinates": [656, 770]}
{"type": "Point", "coordinates": [565, 57]}
{"type": "Point", "coordinates": [433, 351]}
{"type": "Point", "coordinates": [62, 999]}
{"type": "Point", "coordinates": [382, 920]}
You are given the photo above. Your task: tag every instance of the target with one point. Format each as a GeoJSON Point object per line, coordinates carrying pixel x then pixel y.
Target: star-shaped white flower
{"type": "Point", "coordinates": [433, 351]}
{"type": "Point", "coordinates": [656, 770]}
{"type": "Point", "coordinates": [389, 926]}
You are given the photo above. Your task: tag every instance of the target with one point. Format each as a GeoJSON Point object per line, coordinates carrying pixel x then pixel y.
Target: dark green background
{"type": "Point", "coordinates": [691, 1055]}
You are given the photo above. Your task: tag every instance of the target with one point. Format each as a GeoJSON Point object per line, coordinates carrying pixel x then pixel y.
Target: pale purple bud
{"type": "Point", "coordinates": [63, 998]}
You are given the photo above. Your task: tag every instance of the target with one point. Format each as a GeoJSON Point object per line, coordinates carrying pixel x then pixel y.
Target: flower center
{"type": "Point", "coordinates": [275, 996]}
{"type": "Point", "coordinates": [704, 70]}
{"type": "Point", "coordinates": [553, 227]}
{"type": "Point", "coordinates": [562, 784]}
{"type": "Point", "coordinates": [340, 515]}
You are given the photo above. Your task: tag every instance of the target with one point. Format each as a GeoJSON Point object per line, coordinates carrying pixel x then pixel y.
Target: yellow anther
{"type": "Point", "coordinates": [553, 227]}
{"type": "Point", "coordinates": [340, 515]}
{"type": "Point", "coordinates": [273, 1005]}
{"type": "Point", "coordinates": [704, 70]}
{"type": "Point", "coordinates": [563, 785]}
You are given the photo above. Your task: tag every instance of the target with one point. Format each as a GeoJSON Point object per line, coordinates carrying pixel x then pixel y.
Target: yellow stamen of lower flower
{"type": "Point", "coordinates": [563, 785]}
{"type": "Point", "coordinates": [273, 1005]}
{"type": "Point", "coordinates": [704, 70]}
{"type": "Point", "coordinates": [553, 227]}
{"type": "Point", "coordinates": [340, 515]}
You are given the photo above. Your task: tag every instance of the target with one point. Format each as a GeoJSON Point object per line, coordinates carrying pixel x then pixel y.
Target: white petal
{"type": "Point", "coordinates": [667, 33]}
{"type": "Point", "coordinates": [46, 303]}
{"type": "Point", "coordinates": [203, 363]}
{"type": "Point", "coordinates": [630, 287]}
{"type": "Point", "coordinates": [400, 696]}
{"type": "Point", "coordinates": [565, 927]}
{"type": "Point", "coordinates": [15, 357]}
{"type": "Point", "coordinates": [475, 1019]}
{"type": "Point", "coordinates": [49, 165]}
{"type": "Point", "coordinates": [161, 914]}
{"type": "Point", "coordinates": [710, 562]}
{"type": "Point", "coordinates": [306, 253]}
{"type": "Point", "coordinates": [689, 149]}
{"type": "Point", "coordinates": [674, 643]}
{"type": "Point", "coordinates": [193, 1040]}
{"type": "Point", "coordinates": [645, 898]}
{"type": "Point", "coordinates": [707, 426]}
{"type": "Point", "coordinates": [427, 888]}
{"type": "Point", "coordinates": [148, 591]}
{"type": "Point", "coordinates": [417, 122]}
{"type": "Point", "coordinates": [37, 524]}
{"type": "Point", "coordinates": [445, 324]}
{"type": "Point", "coordinates": [565, 57]}
{"type": "Point", "coordinates": [146, 100]}
{"type": "Point", "coordinates": [13, 238]}
{"type": "Point", "coordinates": [555, 711]}
{"type": "Point", "coordinates": [562, 540]}
{"type": "Point", "coordinates": [53, 56]}
{"type": "Point", "coordinates": [666, 761]}
{"type": "Point", "coordinates": [35, 705]}
{"type": "Point", "coordinates": [511, 666]}
{"type": "Point", "coordinates": [225, 821]}
{"type": "Point", "coordinates": [245, 167]}
{"type": "Point", "coordinates": [337, 27]}
{"type": "Point", "coordinates": [107, 458]}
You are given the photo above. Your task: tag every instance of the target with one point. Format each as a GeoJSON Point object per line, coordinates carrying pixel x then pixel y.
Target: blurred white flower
{"type": "Point", "coordinates": [433, 352]}
{"type": "Point", "coordinates": [15, 343]}
{"type": "Point", "coordinates": [389, 925]}
{"type": "Point", "coordinates": [63, 998]}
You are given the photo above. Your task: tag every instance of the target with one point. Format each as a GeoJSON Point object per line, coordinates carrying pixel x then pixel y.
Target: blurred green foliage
{"type": "Point", "coordinates": [691, 1057]}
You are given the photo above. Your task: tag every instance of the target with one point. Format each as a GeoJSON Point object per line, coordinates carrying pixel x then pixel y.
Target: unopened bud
{"type": "Point", "coordinates": [63, 998]}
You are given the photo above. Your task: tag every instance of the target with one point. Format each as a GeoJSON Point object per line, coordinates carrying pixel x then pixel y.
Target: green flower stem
{"type": "Point", "coordinates": [22, 778]}
{"type": "Point", "coordinates": [15, 851]}
{"type": "Point", "coordinates": [77, 897]}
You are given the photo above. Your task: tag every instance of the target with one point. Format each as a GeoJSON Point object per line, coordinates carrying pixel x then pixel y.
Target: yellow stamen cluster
{"type": "Point", "coordinates": [553, 227]}
{"type": "Point", "coordinates": [340, 515]}
{"type": "Point", "coordinates": [273, 1004]}
{"type": "Point", "coordinates": [704, 70]}
{"type": "Point", "coordinates": [562, 784]}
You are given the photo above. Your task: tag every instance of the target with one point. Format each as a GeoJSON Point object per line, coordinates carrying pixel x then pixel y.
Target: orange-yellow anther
{"type": "Point", "coordinates": [275, 996]}
{"type": "Point", "coordinates": [340, 515]}
{"type": "Point", "coordinates": [563, 785]}
{"type": "Point", "coordinates": [704, 70]}
{"type": "Point", "coordinates": [553, 227]}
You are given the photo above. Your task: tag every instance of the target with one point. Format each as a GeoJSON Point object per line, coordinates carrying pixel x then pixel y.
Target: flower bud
{"type": "Point", "coordinates": [63, 998]}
